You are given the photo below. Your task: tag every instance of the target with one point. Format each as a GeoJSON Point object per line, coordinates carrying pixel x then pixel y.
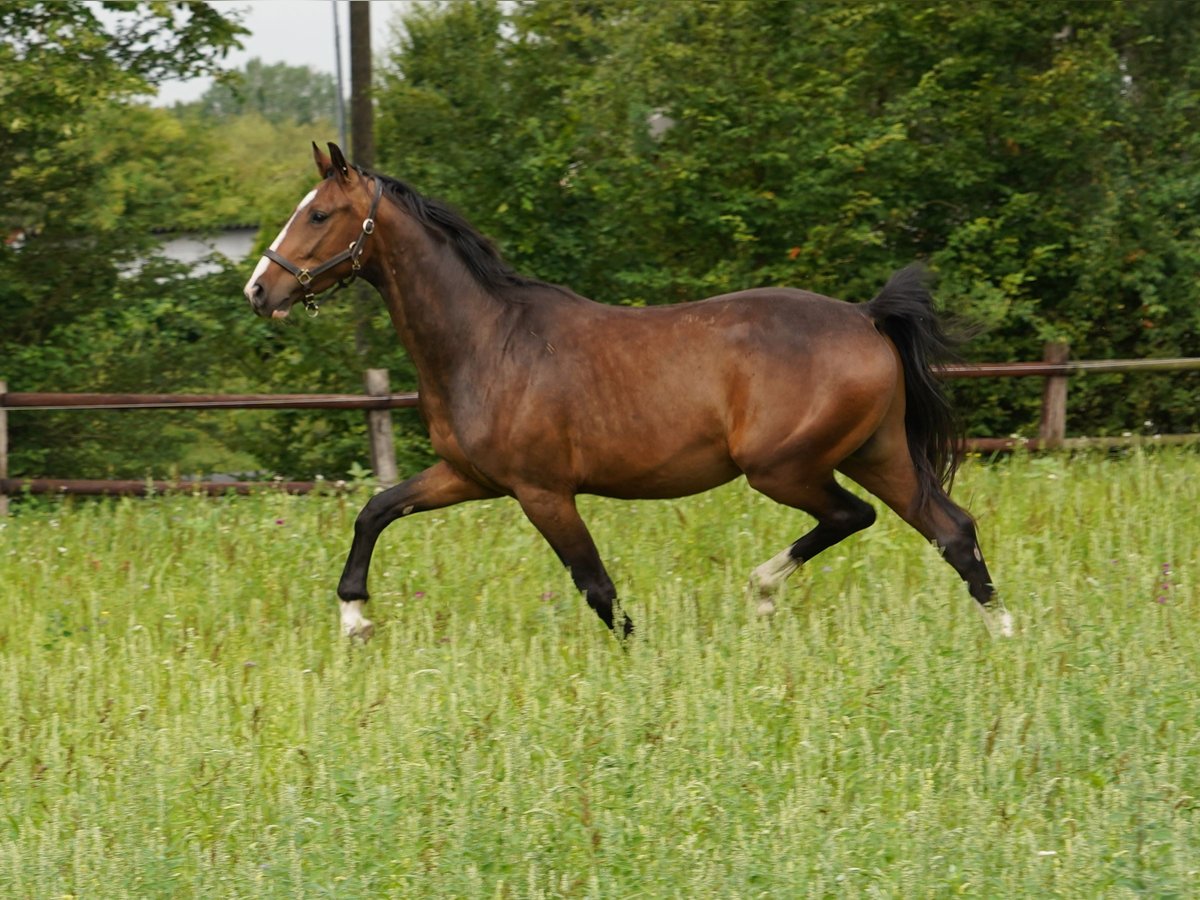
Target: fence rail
{"type": "Point", "coordinates": [45, 401]}
{"type": "Point", "coordinates": [1055, 368]}
{"type": "Point", "coordinates": [1070, 367]}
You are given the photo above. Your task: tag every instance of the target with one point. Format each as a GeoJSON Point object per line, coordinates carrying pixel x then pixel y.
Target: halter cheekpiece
{"type": "Point", "coordinates": [352, 253]}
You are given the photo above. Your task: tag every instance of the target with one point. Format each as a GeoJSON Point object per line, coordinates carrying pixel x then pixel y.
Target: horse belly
{"type": "Point", "coordinates": [662, 479]}
{"type": "Point", "coordinates": [677, 479]}
{"type": "Point", "coordinates": [654, 457]}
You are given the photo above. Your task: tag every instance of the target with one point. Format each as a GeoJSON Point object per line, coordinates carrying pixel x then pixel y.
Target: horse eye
{"type": "Point", "coordinates": [318, 216]}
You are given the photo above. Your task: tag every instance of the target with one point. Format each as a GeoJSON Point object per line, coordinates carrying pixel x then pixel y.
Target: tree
{"type": "Point", "coordinates": [60, 63]}
{"type": "Point", "coordinates": [1038, 154]}
{"type": "Point", "coordinates": [60, 190]}
{"type": "Point", "coordinates": [277, 92]}
{"type": "Point", "coordinates": [1043, 157]}
{"type": "Point", "coordinates": [77, 197]}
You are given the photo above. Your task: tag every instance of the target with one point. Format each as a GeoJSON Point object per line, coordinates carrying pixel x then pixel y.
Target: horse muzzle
{"type": "Point", "coordinates": [262, 303]}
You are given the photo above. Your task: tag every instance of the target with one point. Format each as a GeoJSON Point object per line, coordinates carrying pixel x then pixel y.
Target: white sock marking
{"type": "Point", "coordinates": [765, 607]}
{"type": "Point", "coordinates": [769, 577]}
{"type": "Point", "coordinates": [354, 623]}
{"type": "Point", "coordinates": [774, 572]}
{"type": "Point", "coordinates": [997, 619]}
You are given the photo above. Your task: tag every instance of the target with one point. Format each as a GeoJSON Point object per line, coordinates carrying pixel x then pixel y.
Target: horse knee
{"type": "Point", "coordinates": [378, 513]}
{"type": "Point", "coordinates": [368, 517]}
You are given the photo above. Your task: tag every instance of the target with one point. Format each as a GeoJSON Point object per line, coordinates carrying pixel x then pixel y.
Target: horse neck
{"type": "Point", "coordinates": [442, 315]}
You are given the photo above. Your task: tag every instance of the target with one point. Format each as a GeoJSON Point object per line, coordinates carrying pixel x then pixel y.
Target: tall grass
{"type": "Point", "coordinates": [180, 717]}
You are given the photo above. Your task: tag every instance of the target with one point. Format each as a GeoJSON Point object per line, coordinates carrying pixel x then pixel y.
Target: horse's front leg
{"type": "Point", "coordinates": [555, 516]}
{"type": "Point", "coordinates": [438, 486]}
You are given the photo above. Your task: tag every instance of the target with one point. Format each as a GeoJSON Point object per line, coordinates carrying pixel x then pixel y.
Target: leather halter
{"type": "Point", "coordinates": [352, 253]}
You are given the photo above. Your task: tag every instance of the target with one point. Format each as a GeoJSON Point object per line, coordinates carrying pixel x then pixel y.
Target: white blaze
{"type": "Point", "coordinates": [263, 262]}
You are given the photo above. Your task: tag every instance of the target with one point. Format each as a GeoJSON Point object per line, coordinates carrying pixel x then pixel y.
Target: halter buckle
{"type": "Point", "coordinates": [368, 226]}
{"type": "Point", "coordinates": [311, 306]}
{"type": "Point", "coordinates": [304, 277]}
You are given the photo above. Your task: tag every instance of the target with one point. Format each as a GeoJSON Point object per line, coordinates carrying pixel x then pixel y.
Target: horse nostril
{"type": "Point", "coordinates": [256, 291]}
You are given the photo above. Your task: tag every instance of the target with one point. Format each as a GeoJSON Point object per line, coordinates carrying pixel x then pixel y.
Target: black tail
{"type": "Point", "coordinates": [904, 312]}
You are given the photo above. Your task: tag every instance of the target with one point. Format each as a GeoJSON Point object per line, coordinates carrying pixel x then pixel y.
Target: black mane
{"type": "Point", "coordinates": [476, 251]}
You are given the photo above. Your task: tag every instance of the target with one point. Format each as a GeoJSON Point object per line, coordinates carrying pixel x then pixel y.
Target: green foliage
{"type": "Point", "coordinates": [1039, 155]}
{"type": "Point", "coordinates": [182, 719]}
{"type": "Point", "coordinates": [79, 192]}
{"type": "Point", "coordinates": [277, 92]}
{"type": "Point", "coordinates": [85, 301]}
{"type": "Point", "coordinates": [170, 330]}
{"type": "Point", "coordinates": [1043, 157]}
{"type": "Point", "coordinates": [61, 64]}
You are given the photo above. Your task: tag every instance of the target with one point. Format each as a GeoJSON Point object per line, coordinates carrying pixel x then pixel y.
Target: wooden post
{"type": "Point", "coordinates": [3, 448]}
{"type": "Point", "coordinates": [1053, 427]}
{"type": "Point", "coordinates": [362, 113]}
{"type": "Point", "coordinates": [379, 429]}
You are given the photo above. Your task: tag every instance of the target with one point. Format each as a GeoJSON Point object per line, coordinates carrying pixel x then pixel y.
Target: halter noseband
{"type": "Point", "coordinates": [352, 253]}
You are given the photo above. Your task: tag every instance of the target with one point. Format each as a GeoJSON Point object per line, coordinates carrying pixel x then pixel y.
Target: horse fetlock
{"type": "Point", "coordinates": [626, 630]}
{"type": "Point", "coordinates": [352, 587]}
{"type": "Point", "coordinates": [763, 594]}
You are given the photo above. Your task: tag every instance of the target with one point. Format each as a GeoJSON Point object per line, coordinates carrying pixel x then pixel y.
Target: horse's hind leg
{"type": "Point", "coordinates": [438, 486]}
{"type": "Point", "coordinates": [894, 481]}
{"type": "Point", "coordinates": [555, 516]}
{"type": "Point", "coordinates": [839, 514]}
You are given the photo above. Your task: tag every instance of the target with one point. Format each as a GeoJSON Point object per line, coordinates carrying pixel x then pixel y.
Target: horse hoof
{"type": "Point", "coordinates": [354, 624]}
{"type": "Point", "coordinates": [1004, 624]}
{"type": "Point", "coordinates": [362, 631]}
{"type": "Point", "coordinates": [999, 621]}
{"type": "Point", "coordinates": [765, 607]}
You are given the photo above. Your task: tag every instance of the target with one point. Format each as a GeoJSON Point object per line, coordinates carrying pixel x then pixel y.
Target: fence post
{"type": "Point", "coordinates": [1053, 427]}
{"type": "Point", "coordinates": [3, 448]}
{"type": "Point", "coordinates": [379, 429]}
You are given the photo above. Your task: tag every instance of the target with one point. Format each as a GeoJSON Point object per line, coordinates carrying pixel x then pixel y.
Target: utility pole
{"type": "Point", "coordinates": [341, 89]}
{"type": "Point", "coordinates": [362, 112]}
{"type": "Point", "coordinates": [362, 151]}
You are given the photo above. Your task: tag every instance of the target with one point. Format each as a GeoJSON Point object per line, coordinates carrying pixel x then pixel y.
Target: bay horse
{"type": "Point", "coordinates": [531, 391]}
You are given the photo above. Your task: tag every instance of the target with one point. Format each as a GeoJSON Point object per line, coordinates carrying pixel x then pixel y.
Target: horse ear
{"type": "Point", "coordinates": [339, 163]}
{"type": "Point", "coordinates": [324, 165]}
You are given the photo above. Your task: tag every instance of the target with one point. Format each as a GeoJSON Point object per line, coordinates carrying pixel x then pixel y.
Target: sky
{"type": "Point", "coordinates": [297, 32]}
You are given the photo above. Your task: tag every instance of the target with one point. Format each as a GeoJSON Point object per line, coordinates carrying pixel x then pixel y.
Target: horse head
{"type": "Point", "coordinates": [323, 242]}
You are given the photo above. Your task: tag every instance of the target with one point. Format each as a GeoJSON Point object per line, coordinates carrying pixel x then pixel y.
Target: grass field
{"type": "Point", "coordinates": [180, 717]}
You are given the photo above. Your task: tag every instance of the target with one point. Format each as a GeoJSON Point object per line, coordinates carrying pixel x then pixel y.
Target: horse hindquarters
{"type": "Point", "coordinates": [906, 456]}
{"type": "Point", "coordinates": [911, 460]}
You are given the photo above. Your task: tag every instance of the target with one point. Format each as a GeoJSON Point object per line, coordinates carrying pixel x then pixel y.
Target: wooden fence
{"type": "Point", "coordinates": [378, 401]}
